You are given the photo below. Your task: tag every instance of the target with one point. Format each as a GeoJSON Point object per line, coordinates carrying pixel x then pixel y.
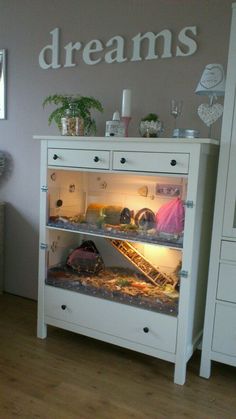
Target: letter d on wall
{"type": "Point", "coordinates": [53, 50]}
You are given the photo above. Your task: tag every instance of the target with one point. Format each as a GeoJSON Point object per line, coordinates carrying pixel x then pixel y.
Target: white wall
{"type": "Point", "coordinates": [24, 29]}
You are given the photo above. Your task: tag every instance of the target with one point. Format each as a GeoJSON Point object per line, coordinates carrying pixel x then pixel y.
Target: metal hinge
{"type": "Point", "coordinates": [43, 246]}
{"type": "Point", "coordinates": [184, 274]}
{"type": "Point", "coordinates": [44, 188]}
{"type": "Point", "coordinates": [188, 204]}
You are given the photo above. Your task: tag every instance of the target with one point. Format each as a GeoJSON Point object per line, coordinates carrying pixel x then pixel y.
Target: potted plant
{"type": "Point", "coordinates": [150, 126]}
{"type": "Point", "coordinates": [73, 113]}
{"type": "Point", "coordinates": [151, 117]}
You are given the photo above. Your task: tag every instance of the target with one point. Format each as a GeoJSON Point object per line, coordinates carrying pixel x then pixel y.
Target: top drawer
{"type": "Point", "coordinates": [151, 162]}
{"type": "Point", "coordinates": [93, 159]}
{"type": "Point", "coordinates": [228, 251]}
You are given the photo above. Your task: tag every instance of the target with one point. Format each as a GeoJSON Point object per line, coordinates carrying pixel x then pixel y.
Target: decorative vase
{"type": "Point", "coordinates": [71, 123]}
{"type": "Point", "coordinates": [150, 129]}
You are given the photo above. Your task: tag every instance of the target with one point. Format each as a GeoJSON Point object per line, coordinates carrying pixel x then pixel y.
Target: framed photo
{"type": "Point", "coordinates": [3, 84]}
{"type": "Point", "coordinates": [169, 190]}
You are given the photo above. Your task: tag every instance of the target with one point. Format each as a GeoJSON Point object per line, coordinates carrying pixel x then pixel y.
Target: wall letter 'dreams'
{"type": "Point", "coordinates": [186, 41]}
{"type": "Point", "coordinates": [69, 51]}
{"type": "Point", "coordinates": [50, 50]}
{"type": "Point", "coordinates": [152, 47]}
{"type": "Point", "coordinates": [117, 53]}
{"type": "Point", "coordinates": [158, 46]}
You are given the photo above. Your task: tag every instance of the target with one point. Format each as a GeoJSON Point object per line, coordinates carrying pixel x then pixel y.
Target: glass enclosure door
{"type": "Point", "coordinates": [117, 236]}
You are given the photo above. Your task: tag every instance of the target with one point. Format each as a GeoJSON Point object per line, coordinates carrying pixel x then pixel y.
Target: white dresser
{"type": "Point", "coordinates": [219, 340]}
{"type": "Point", "coordinates": [82, 177]}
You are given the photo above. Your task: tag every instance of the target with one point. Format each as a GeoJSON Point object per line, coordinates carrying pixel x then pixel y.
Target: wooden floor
{"type": "Point", "coordinates": [68, 376]}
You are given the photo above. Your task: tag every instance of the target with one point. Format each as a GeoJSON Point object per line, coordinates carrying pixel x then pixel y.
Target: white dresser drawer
{"type": "Point", "coordinates": [112, 318]}
{"type": "Point", "coordinates": [227, 282]}
{"type": "Point", "coordinates": [228, 250]}
{"type": "Point", "coordinates": [151, 162]}
{"type": "Point", "coordinates": [92, 159]}
{"type": "Point", "coordinates": [224, 336]}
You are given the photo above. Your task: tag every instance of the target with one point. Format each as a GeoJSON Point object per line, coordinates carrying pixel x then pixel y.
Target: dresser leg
{"type": "Point", "coordinates": [41, 330]}
{"type": "Point", "coordinates": [205, 368]}
{"type": "Point", "coordinates": [180, 373]}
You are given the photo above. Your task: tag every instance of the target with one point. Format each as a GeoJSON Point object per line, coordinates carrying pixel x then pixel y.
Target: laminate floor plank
{"type": "Point", "coordinates": [68, 376]}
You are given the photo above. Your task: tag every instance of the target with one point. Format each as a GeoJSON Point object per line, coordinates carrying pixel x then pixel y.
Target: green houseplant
{"type": "Point", "coordinates": [151, 117]}
{"type": "Point", "coordinates": [73, 108]}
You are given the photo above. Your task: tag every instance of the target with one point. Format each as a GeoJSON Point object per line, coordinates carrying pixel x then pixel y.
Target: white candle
{"type": "Point", "coordinates": [126, 103]}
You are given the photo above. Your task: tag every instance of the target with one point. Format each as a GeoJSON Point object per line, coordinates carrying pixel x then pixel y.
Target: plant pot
{"type": "Point", "coordinates": [150, 129]}
{"type": "Point", "coordinates": [72, 125]}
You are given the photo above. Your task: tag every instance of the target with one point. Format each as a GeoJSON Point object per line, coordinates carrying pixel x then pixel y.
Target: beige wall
{"type": "Point", "coordinates": [24, 29]}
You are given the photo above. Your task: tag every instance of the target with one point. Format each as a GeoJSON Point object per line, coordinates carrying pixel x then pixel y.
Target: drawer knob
{"type": "Point", "coordinates": [173, 162]}
{"type": "Point", "coordinates": [55, 157]}
{"type": "Point", "coordinates": [96, 159]}
{"type": "Point", "coordinates": [146, 329]}
{"type": "Point", "coordinates": [63, 307]}
{"type": "Point", "coordinates": [122, 160]}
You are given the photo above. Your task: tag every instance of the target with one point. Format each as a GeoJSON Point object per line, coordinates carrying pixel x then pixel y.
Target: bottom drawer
{"type": "Point", "coordinates": [227, 282]}
{"type": "Point", "coordinates": [224, 337]}
{"type": "Point", "coordinates": [137, 325]}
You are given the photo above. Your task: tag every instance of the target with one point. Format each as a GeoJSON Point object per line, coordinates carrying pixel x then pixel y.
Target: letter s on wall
{"type": "Point", "coordinates": [187, 42]}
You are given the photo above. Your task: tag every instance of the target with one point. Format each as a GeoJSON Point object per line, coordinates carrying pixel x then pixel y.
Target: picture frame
{"type": "Point", "coordinates": [3, 82]}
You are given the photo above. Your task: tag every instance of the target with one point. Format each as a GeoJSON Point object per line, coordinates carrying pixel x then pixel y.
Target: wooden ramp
{"type": "Point", "coordinates": [154, 275]}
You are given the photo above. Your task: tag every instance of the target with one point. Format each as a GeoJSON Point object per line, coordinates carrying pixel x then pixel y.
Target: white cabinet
{"type": "Point", "coordinates": [143, 287]}
{"type": "Point", "coordinates": [229, 223]}
{"type": "Point", "coordinates": [219, 339]}
{"type": "Point", "coordinates": [2, 223]}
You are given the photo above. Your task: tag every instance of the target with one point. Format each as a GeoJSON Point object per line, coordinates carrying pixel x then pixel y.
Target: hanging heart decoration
{"type": "Point", "coordinates": [210, 113]}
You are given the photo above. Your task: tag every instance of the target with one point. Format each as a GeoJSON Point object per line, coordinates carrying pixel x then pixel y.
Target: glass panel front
{"type": "Point", "coordinates": [117, 236]}
{"type": "Point", "coordinates": [143, 275]}
{"type": "Point", "coordinates": [132, 207]}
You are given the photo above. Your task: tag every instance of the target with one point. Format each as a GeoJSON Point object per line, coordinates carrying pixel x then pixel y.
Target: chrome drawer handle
{"type": "Point", "coordinates": [173, 162]}
{"type": "Point", "coordinates": [146, 329]}
{"type": "Point", "coordinates": [96, 159]}
{"type": "Point", "coordinates": [63, 307]}
{"type": "Point", "coordinates": [123, 160]}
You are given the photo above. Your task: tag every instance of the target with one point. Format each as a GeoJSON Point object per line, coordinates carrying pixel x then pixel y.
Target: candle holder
{"type": "Point", "coordinates": [126, 120]}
